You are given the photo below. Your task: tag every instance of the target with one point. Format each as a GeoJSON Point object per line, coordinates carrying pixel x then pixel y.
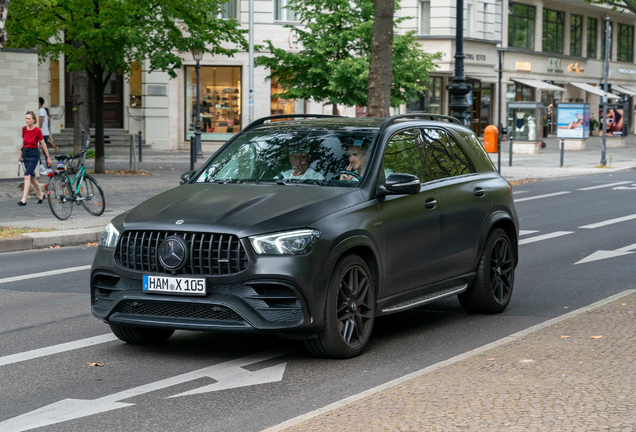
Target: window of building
{"type": "Point", "coordinates": [135, 84]}
{"type": "Point", "coordinates": [519, 93]}
{"type": "Point", "coordinates": [403, 156]}
{"type": "Point", "coordinates": [425, 17]}
{"type": "Point", "coordinates": [553, 23]}
{"type": "Point", "coordinates": [55, 83]}
{"type": "Point", "coordinates": [625, 43]}
{"type": "Point", "coordinates": [603, 36]}
{"type": "Point", "coordinates": [278, 105]}
{"type": "Point", "coordinates": [220, 101]}
{"type": "Point", "coordinates": [576, 34]}
{"type": "Point", "coordinates": [592, 33]}
{"type": "Point", "coordinates": [468, 27]}
{"type": "Point", "coordinates": [229, 9]}
{"type": "Point", "coordinates": [431, 100]}
{"type": "Point", "coordinates": [521, 26]}
{"type": "Point", "coordinates": [282, 12]}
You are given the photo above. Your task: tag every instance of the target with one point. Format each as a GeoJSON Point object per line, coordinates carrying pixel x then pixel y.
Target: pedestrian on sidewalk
{"type": "Point", "coordinates": [30, 156]}
{"type": "Point", "coordinates": [45, 123]}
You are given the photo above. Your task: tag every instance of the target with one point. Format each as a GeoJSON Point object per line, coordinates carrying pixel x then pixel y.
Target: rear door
{"type": "Point", "coordinates": [463, 199]}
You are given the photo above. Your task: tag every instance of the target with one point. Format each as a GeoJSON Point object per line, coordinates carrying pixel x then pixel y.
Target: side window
{"type": "Point", "coordinates": [444, 157]}
{"type": "Point", "coordinates": [462, 163]}
{"type": "Point", "coordinates": [402, 155]}
{"type": "Point", "coordinates": [472, 140]}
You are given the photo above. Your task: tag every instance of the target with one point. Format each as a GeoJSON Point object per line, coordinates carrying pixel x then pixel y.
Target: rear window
{"type": "Point", "coordinates": [472, 140]}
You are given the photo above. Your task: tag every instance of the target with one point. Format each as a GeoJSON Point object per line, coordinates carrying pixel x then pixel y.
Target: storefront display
{"type": "Point", "coordinates": [525, 121]}
{"type": "Point", "coordinates": [278, 105]}
{"type": "Point", "coordinates": [220, 102]}
{"type": "Point", "coordinates": [573, 121]}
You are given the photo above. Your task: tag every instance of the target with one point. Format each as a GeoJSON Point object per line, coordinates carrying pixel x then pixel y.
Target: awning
{"type": "Point", "coordinates": [541, 85]}
{"type": "Point", "coordinates": [488, 79]}
{"type": "Point", "coordinates": [594, 90]}
{"type": "Point", "coordinates": [627, 90]}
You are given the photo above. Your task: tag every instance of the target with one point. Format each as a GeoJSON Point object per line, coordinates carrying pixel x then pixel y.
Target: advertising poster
{"type": "Point", "coordinates": [573, 121]}
{"type": "Point", "coordinates": [615, 120]}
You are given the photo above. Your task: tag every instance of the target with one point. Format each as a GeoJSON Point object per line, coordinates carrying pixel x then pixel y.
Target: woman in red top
{"type": "Point", "coordinates": [31, 137]}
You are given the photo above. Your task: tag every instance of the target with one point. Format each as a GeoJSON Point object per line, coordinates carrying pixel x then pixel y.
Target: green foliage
{"type": "Point", "coordinates": [332, 65]}
{"type": "Point", "coordinates": [90, 154]}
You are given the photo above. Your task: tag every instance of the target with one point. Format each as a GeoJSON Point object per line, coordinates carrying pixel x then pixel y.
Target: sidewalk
{"type": "Point", "coordinates": [164, 168]}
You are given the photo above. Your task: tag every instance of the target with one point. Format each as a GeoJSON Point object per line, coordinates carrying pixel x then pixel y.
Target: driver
{"type": "Point", "coordinates": [300, 160]}
{"type": "Point", "coordinates": [358, 158]}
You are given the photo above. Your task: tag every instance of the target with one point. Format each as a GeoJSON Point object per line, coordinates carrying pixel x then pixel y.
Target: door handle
{"type": "Point", "coordinates": [430, 203]}
{"type": "Point", "coordinates": [479, 192]}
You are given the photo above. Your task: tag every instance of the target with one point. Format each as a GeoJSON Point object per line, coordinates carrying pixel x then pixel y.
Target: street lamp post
{"type": "Point", "coordinates": [197, 54]}
{"type": "Point", "coordinates": [459, 88]}
{"type": "Point", "coordinates": [606, 59]}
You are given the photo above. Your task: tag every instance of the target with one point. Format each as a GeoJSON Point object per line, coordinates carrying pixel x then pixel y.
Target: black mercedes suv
{"type": "Point", "coordinates": [309, 227]}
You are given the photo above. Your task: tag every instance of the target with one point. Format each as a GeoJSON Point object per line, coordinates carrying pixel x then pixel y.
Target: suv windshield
{"type": "Point", "coordinates": [325, 157]}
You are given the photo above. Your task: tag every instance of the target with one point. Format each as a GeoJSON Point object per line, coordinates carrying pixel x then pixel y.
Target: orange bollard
{"type": "Point", "coordinates": [491, 135]}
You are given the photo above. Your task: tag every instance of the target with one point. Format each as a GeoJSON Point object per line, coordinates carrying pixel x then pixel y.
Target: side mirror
{"type": "Point", "coordinates": [400, 184]}
{"type": "Point", "coordinates": [185, 177]}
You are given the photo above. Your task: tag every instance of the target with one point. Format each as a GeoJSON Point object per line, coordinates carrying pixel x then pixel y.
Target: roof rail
{"type": "Point", "coordinates": [417, 115]}
{"type": "Point", "coordinates": [262, 120]}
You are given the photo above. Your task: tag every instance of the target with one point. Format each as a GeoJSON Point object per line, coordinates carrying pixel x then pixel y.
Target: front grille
{"type": "Point", "coordinates": [179, 310]}
{"type": "Point", "coordinates": [208, 254]}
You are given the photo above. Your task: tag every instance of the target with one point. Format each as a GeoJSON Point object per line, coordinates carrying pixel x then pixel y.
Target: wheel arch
{"type": "Point", "coordinates": [365, 249]}
{"type": "Point", "coordinates": [499, 219]}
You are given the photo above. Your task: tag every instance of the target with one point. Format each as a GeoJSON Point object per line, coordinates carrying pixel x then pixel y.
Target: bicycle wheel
{"type": "Point", "coordinates": [93, 201]}
{"type": "Point", "coordinates": [60, 197]}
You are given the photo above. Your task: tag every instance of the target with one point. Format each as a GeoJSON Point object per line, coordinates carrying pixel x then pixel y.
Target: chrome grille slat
{"type": "Point", "coordinates": [209, 253]}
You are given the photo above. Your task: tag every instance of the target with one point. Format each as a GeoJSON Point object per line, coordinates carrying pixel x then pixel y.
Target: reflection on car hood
{"type": "Point", "coordinates": [241, 209]}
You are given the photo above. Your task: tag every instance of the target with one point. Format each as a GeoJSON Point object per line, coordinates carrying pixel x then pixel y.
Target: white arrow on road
{"type": "Point", "coordinates": [603, 254]}
{"type": "Point", "coordinates": [228, 375]}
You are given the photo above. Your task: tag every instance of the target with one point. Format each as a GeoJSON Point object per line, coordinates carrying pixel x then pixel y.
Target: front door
{"type": "Point", "coordinates": [113, 102]}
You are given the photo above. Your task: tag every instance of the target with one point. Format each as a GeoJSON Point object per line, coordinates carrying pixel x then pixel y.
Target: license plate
{"type": "Point", "coordinates": [174, 285]}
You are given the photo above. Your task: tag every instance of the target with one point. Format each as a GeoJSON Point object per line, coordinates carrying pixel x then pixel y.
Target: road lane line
{"type": "Point", "coordinates": [43, 274]}
{"type": "Point", "coordinates": [526, 232]}
{"type": "Point", "coordinates": [543, 196]}
{"type": "Point", "coordinates": [604, 186]}
{"type": "Point", "coordinates": [56, 349]}
{"type": "Point", "coordinates": [609, 222]}
{"type": "Point", "coordinates": [513, 337]}
{"type": "Point", "coordinates": [544, 237]}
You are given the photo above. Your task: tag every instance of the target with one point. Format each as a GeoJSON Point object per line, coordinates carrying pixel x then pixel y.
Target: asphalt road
{"type": "Point", "coordinates": [220, 382]}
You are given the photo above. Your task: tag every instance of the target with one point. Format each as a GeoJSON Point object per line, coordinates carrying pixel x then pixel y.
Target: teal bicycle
{"type": "Point", "coordinates": [82, 189]}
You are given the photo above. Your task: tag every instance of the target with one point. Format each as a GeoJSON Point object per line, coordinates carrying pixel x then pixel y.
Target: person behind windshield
{"type": "Point", "coordinates": [358, 158]}
{"type": "Point", "coordinates": [300, 160]}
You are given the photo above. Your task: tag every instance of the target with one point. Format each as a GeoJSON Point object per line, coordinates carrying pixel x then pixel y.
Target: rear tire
{"type": "Point", "coordinates": [349, 311]}
{"type": "Point", "coordinates": [141, 336]}
{"type": "Point", "coordinates": [59, 197]}
{"type": "Point", "coordinates": [94, 203]}
{"type": "Point", "coordinates": [491, 291]}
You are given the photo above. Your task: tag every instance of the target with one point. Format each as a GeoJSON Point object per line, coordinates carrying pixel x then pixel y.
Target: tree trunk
{"type": "Point", "coordinates": [4, 8]}
{"type": "Point", "coordinates": [99, 84]}
{"type": "Point", "coordinates": [381, 68]}
{"type": "Point", "coordinates": [334, 109]}
{"type": "Point", "coordinates": [81, 114]}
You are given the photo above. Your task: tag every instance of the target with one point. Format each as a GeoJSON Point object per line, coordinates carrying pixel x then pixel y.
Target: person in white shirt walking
{"type": "Point", "coordinates": [44, 123]}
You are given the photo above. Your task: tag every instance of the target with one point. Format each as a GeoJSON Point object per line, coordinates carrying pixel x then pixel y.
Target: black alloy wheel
{"type": "Point", "coordinates": [349, 311]}
{"type": "Point", "coordinates": [491, 291]}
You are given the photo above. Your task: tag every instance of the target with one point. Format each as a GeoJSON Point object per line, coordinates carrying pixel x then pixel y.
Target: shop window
{"type": "Point", "coordinates": [430, 100]}
{"type": "Point", "coordinates": [480, 98]}
{"type": "Point", "coordinates": [278, 105]}
{"type": "Point", "coordinates": [625, 43]}
{"type": "Point", "coordinates": [592, 32]}
{"type": "Point", "coordinates": [55, 83]}
{"type": "Point", "coordinates": [220, 101]}
{"type": "Point", "coordinates": [576, 34]}
{"type": "Point", "coordinates": [282, 12]}
{"type": "Point", "coordinates": [229, 9]}
{"type": "Point", "coordinates": [603, 33]}
{"type": "Point", "coordinates": [135, 84]}
{"type": "Point", "coordinates": [521, 26]}
{"type": "Point", "coordinates": [425, 17]}
{"type": "Point", "coordinates": [553, 22]}
{"type": "Point", "coordinates": [519, 93]}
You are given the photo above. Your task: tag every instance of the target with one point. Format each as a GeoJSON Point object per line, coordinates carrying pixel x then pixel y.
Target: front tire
{"type": "Point", "coordinates": [349, 311]}
{"type": "Point", "coordinates": [491, 291]}
{"type": "Point", "coordinates": [94, 201]}
{"type": "Point", "coordinates": [141, 336]}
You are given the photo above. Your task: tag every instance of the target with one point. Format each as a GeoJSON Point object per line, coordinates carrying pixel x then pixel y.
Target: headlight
{"type": "Point", "coordinates": [109, 236]}
{"type": "Point", "coordinates": [285, 243]}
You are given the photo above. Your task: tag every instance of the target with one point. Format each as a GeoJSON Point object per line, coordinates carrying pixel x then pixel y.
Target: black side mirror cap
{"type": "Point", "coordinates": [400, 184]}
{"type": "Point", "coordinates": [185, 177]}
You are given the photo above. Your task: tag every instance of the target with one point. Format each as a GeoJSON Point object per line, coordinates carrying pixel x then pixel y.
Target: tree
{"type": "Point", "coordinates": [102, 37]}
{"type": "Point", "coordinates": [381, 68]}
{"type": "Point", "coordinates": [332, 67]}
{"type": "Point", "coordinates": [621, 5]}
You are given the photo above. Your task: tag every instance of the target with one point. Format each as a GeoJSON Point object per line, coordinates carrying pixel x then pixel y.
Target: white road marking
{"type": "Point", "coordinates": [630, 187]}
{"type": "Point", "coordinates": [230, 374]}
{"type": "Point", "coordinates": [544, 237]}
{"type": "Point", "coordinates": [609, 222]}
{"type": "Point", "coordinates": [513, 337]}
{"type": "Point", "coordinates": [526, 232]}
{"type": "Point", "coordinates": [604, 254]}
{"type": "Point", "coordinates": [603, 186]}
{"type": "Point", "coordinates": [519, 192]}
{"type": "Point", "coordinates": [542, 196]}
{"type": "Point", "coordinates": [56, 349]}
{"type": "Point", "coordinates": [43, 274]}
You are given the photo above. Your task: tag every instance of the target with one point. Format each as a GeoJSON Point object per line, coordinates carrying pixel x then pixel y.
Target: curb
{"type": "Point", "coordinates": [41, 240]}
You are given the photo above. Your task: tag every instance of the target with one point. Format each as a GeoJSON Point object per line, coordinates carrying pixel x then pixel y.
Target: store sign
{"type": "Point", "coordinates": [574, 67]}
{"type": "Point", "coordinates": [524, 66]}
{"type": "Point", "coordinates": [157, 90]}
{"type": "Point", "coordinates": [627, 71]}
{"type": "Point", "coordinates": [554, 65]}
{"type": "Point", "coordinates": [573, 121]}
{"type": "Point", "coordinates": [478, 57]}
{"type": "Point", "coordinates": [293, 39]}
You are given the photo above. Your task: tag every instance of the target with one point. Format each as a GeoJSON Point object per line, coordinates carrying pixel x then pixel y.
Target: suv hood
{"type": "Point", "coordinates": [240, 209]}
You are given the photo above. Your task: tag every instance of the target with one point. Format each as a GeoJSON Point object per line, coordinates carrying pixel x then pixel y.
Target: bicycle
{"type": "Point", "coordinates": [82, 189]}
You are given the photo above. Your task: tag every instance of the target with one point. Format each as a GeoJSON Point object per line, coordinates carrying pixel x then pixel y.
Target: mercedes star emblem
{"type": "Point", "coordinates": [172, 253]}
{"type": "Point", "coordinates": [179, 222]}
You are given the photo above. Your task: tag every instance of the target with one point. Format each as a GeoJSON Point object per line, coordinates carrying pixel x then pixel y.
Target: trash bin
{"type": "Point", "coordinates": [491, 135]}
